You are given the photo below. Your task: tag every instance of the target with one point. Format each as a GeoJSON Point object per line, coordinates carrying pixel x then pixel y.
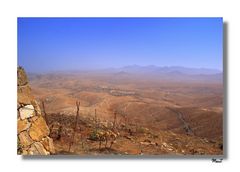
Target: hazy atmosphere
{"type": "Point", "coordinates": [120, 86]}
{"type": "Point", "coordinates": [52, 44]}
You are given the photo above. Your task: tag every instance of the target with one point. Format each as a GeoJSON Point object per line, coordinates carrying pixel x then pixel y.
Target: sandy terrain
{"type": "Point", "coordinates": [177, 112]}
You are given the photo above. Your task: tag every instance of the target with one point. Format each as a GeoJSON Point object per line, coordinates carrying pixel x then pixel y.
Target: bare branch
{"type": "Point", "coordinates": [44, 111]}
{"type": "Point", "coordinates": [75, 127]}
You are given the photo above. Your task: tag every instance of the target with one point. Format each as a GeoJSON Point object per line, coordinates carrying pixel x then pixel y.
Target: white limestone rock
{"type": "Point", "coordinates": [26, 111]}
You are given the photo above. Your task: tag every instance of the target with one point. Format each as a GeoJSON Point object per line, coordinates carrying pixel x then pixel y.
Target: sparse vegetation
{"type": "Point", "coordinates": [128, 124]}
{"type": "Point", "coordinates": [19, 148]}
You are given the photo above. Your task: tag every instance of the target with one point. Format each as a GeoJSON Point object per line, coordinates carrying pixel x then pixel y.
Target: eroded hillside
{"type": "Point", "coordinates": [133, 115]}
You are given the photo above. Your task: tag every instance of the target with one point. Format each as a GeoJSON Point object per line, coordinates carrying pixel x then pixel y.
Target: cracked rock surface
{"type": "Point", "coordinates": [32, 130]}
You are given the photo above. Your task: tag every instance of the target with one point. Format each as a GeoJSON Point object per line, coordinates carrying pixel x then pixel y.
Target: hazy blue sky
{"type": "Point", "coordinates": [87, 43]}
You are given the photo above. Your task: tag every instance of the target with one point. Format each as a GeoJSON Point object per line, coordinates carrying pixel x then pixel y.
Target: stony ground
{"type": "Point", "coordinates": [142, 126]}
{"type": "Point", "coordinates": [131, 139]}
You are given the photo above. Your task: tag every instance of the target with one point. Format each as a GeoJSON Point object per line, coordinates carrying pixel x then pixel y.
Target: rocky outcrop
{"type": "Point", "coordinates": [32, 130]}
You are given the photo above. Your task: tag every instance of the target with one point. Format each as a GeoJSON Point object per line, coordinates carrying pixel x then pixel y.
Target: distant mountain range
{"type": "Point", "coordinates": [171, 70]}
{"type": "Point", "coordinates": [152, 72]}
{"type": "Point", "coordinates": [174, 73]}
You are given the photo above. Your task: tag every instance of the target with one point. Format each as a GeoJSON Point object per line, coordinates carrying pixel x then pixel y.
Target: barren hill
{"type": "Point", "coordinates": [139, 115]}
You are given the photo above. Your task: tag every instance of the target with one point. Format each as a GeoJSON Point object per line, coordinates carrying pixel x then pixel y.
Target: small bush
{"type": "Point", "coordinates": [142, 130]}
{"type": "Point", "coordinates": [19, 148]}
{"type": "Point", "coordinates": [94, 135]}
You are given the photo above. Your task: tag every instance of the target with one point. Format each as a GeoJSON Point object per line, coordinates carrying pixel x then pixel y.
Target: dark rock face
{"type": "Point", "coordinates": [22, 77]}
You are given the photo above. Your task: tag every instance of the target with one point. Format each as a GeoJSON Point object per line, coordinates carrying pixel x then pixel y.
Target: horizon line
{"type": "Point", "coordinates": [115, 68]}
